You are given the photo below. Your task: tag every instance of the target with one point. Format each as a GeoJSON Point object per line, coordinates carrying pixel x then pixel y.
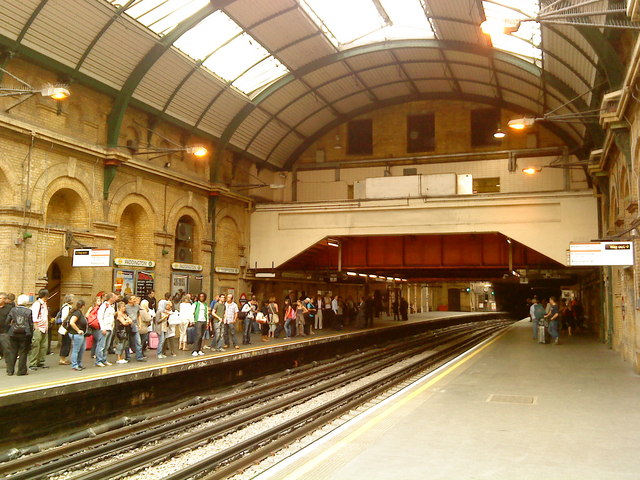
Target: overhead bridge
{"type": "Point", "coordinates": [471, 231]}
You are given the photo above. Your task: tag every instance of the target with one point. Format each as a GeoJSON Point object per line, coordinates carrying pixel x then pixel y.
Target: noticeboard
{"type": "Point", "coordinates": [91, 257]}
{"type": "Point", "coordinates": [593, 254]}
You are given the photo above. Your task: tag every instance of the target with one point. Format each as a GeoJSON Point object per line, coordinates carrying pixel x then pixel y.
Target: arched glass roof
{"type": "Point", "coordinates": [267, 77]}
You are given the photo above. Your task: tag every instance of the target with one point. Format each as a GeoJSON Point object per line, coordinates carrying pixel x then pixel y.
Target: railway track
{"type": "Point", "coordinates": [140, 450]}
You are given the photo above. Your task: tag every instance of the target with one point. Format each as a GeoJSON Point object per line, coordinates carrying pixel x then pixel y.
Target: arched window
{"type": "Point", "coordinates": [185, 240]}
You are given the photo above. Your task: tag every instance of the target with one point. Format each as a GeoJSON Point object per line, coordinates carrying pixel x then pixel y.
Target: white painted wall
{"type": "Point", "coordinates": [546, 222]}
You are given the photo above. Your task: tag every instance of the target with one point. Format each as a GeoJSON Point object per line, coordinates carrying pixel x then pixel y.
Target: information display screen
{"type": "Point", "coordinates": [91, 257]}
{"type": "Point", "coordinates": [592, 254]}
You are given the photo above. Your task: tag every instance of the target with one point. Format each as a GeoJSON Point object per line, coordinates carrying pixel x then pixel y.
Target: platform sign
{"type": "Point", "coordinates": [593, 254]}
{"type": "Point", "coordinates": [91, 257]}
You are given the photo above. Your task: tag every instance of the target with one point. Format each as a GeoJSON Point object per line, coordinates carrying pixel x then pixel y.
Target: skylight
{"type": "Point", "coordinates": [525, 42]}
{"type": "Point", "coordinates": [353, 22]}
{"type": "Point", "coordinates": [217, 42]}
{"type": "Point", "coordinates": [161, 16]}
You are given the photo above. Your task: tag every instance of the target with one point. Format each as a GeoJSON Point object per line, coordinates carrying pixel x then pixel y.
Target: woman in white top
{"type": "Point", "coordinates": [186, 317]}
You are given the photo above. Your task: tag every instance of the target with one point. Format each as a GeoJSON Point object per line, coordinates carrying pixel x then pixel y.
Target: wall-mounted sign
{"type": "Point", "coordinates": [144, 283]}
{"type": "Point", "coordinates": [192, 267]}
{"type": "Point", "coordinates": [134, 262]}
{"type": "Point", "coordinates": [91, 257]}
{"type": "Point", "coordinates": [593, 254]}
{"type": "Point", "coordinates": [124, 281]}
{"type": "Point", "coordinates": [231, 270]}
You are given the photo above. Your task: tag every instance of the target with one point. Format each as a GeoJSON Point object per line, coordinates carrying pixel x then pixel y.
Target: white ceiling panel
{"type": "Point", "coordinates": [361, 62]}
{"type": "Point", "coordinates": [294, 22]}
{"type": "Point", "coordinates": [462, 72]}
{"type": "Point", "coordinates": [106, 61]}
{"type": "Point", "coordinates": [296, 112]}
{"type": "Point", "coordinates": [382, 75]}
{"type": "Point", "coordinates": [475, 88]}
{"type": "Point", "coordinates": [387, 92]}
{"type": "Point", "coordinates": [305, 52]}
{"type": "Point", "coordinates": [426, 70]}
{"type": "Point", "coordinates": [352, 102]}
{"type": "Point", "coordinates": [418, 54]}
{"type": "Point", "coordinates": [517, 72]}
{"type": "Point", "coordinates": [326, 74]}
{"type": "Point", "coordinates": [250, 12]}
{"type": "Point", "coordinates": [339, 88]}
{"type": "Point", "coordinates": [164, 77]}
{"type": "Point", "coordinates": [256, 120]}
{"type": "Point", "coordinates": [283, 96]}
{"type": "Point", "coordinates": [316, 121]}
{"type": "Point", "coordinates": [451, 30]}
{"type": "Point", "coordinates": [60, 36]}
{"type": "Point", "coordinates": [15, 14]}
{"type": "Point", "coordinates": [432, 86]}
{"type": "Point", "coordinates": [194, 96]}
{"type": "Point", "coordinates": [465, 57]}
{"type": "Point", "coordinates": [522, 100]}
{"type": "Point", "coordinates": [268, 138]}
{"type": "Point", "coordinates": [286, 147]}
{"type": "Point", "coordinates": [218, 117]}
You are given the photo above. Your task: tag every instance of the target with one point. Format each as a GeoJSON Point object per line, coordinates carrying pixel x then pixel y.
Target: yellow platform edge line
{"type": "Point", "coordinates": [341, 444]}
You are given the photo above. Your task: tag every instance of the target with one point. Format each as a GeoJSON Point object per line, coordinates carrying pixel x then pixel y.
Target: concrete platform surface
{"type": "Point", "coordinates": [514, 409]}
{"type": "Point", "coordinates": [59, 379]}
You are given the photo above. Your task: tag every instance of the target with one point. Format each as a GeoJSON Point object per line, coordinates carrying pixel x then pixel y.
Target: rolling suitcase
{"type": "Point", "coordinates": [153, 340]}
{"type": "Point", "coordinates": [542, 334]}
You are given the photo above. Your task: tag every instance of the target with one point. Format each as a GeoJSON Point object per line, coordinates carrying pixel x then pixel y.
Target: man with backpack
{"type": "Point", "coordinates": [20, 332]}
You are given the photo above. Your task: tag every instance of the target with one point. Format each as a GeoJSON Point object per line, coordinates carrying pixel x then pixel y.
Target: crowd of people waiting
{"type": "Point", "coordinates": [130, 325]}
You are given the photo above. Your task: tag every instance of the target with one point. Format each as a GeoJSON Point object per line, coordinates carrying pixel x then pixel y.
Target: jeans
{"type": "Point", "coordinates": [230, 334]}
{"type": "Point", "coordinates": [287, 327]}
{"type": "Point", "coordinates": [200, 328]}
{"type": "Point", "coordinates": [161, 337]}
{"type": "Point", "coordinates": [534, 321]}
{"type": "Point", "coordinates": [218, 339]}
{"type": "Point", "coordinates": [136, 344]}
{"type": "Point", "coordinates": [553, 329]}
{"type": "Point", "coordinates": [77, 352]}
{"type": "Point", "coordinates": [104, 340]}
{"type": "Point", "coordinates": [248, 326]}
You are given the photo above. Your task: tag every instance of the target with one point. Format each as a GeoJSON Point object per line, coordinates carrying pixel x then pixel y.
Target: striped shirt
{"type": "Point", "coordinates": [40, 315]}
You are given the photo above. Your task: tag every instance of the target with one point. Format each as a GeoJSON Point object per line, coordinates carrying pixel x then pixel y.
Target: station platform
{"type": "Point", "coordinates": [510, 409]}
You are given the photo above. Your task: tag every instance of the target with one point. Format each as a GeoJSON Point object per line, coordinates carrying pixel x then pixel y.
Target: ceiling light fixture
{"type": "Point", "coordinates": [352, 274]}
{"type": "Point", "coordinates": [499, 133]}
{"type": "Point", "coordinates": [337, 145]}
{"type": "Point", "coordinates": [532, 170]}
{"type": "Point", "coordinates": [55, 92]}
{"type": "Point", "coordinates": [333, 243]}
{"type": "Point", "coordinates": [197, 150]}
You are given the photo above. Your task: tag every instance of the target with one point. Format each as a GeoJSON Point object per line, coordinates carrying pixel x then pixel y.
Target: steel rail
{"type": "Point", "coordinates": [153, 456]}
{"type": "Point", "coordinates": [237, 457]}
{"type": "Point", "coordinates": [60, 458]}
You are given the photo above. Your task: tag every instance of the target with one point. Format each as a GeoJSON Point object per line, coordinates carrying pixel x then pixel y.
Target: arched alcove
{"type": "Point", "coordinates": [135, 233]}
{"type": "Point", "coordinates": [227, 243]}
{"type": "Point", "coordinates": [66, 210]}
{"type": "Point", "coordinates": [186, 241]}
